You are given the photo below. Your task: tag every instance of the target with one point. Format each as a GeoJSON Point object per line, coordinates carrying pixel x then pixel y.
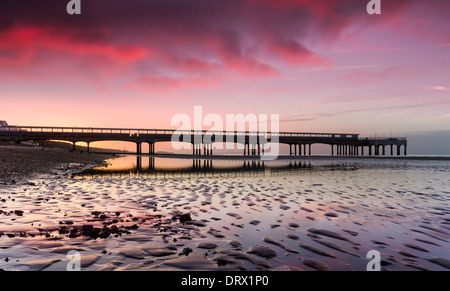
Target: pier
{"type": "Point", "coordinates": [252, 143]}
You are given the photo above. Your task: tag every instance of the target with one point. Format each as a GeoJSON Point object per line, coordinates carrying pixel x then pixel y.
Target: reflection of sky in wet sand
{"type": "Point", "coordinates": [399, 209]}
{"type": "Point", "coordinates": [130, 162]}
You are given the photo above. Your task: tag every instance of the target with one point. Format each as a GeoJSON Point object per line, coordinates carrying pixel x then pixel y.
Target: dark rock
{"type": "Point", "coordinates": [87, 227]}
{"type": "Point", "coordinates": [18, 212]}
{"type": "Point", "coordinates": [222, 262]}
{"type": "Point", "coordinates": [74, 233]}
{"type": "Point", "coordinates": [63, 230]}
{"type": "Point", "coordinates": [185, 217]}
{"type": "Point", "coordinates": [104, 233]}
{"type": "Point", "coordinates": [94, 233]}
{"type": "Point", "coordinates": [186, 252]}
{"type": "Point", "coordinates": [331, 214]}
{"type": "Point", "coordinates": [255, 222]}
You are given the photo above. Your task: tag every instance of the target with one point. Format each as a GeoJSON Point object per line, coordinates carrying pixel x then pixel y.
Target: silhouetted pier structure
{"type": "Point", "coordinates": [252, 143]}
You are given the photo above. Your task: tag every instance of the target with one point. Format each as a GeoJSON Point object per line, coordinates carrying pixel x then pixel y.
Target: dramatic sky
{"type": "Point", "coordinates": [322, 65]}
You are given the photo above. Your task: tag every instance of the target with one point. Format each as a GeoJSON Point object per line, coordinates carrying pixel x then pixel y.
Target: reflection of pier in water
{"type": "Point", "coordinates": [199, 168]}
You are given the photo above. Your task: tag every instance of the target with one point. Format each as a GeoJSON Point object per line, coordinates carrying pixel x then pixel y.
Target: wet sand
{"type": "Point", "coordinates": [313, 220]}
{"type": "Point", "coordinates": [20, 163]}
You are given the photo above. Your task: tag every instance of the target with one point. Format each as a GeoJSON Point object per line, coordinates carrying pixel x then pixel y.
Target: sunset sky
{"type": "Point", "coordinates": [322, 65]}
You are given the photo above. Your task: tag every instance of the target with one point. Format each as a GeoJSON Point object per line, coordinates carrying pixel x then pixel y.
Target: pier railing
{"type": "Point", "coordinates": [139, 132]}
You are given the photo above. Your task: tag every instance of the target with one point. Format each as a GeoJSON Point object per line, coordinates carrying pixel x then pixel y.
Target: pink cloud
{"type": "Point", "coordinates": [21, 43]}
{"type": "Point", "coordinates": [209, 40]}
{"type": "Point", "coordinates": [295, 54]}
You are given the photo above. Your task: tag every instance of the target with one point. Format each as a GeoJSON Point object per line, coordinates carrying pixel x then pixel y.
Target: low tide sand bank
{"type": "Point", "coordinates": [311, 220]}
{"type": "Point", "coordinates": [20, 163]}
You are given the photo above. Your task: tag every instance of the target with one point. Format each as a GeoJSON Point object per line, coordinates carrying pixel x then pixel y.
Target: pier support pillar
{"type": "Point", "coordinates": [139, 148]}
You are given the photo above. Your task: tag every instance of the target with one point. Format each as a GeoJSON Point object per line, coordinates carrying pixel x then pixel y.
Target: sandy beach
{"type": "Point", "coordinates": [20, 163]}
{"type": "Point", "coordinates": [321, 219]}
